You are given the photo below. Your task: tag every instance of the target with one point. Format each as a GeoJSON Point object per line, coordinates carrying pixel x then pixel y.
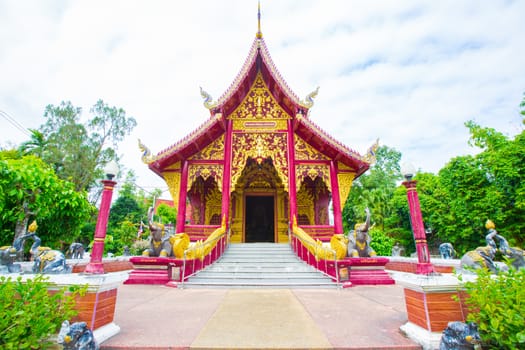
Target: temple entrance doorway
{"type": "Point", "coordinates": [259, 219]}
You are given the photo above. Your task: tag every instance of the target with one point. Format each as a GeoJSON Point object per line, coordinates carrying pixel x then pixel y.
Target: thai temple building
{"type": "Point", "coordinates": [259, 161]}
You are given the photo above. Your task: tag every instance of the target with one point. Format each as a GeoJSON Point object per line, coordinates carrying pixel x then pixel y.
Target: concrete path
{"type": "Point", "coordinates": [158, 317]}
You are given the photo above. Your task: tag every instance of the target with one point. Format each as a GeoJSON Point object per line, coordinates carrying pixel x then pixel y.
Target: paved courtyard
{"type": "Point", "coordinates": [159, 317]}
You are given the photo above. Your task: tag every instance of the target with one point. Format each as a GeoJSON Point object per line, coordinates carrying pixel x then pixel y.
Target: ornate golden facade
{"type": "Point", "coordinates": [259, 161]}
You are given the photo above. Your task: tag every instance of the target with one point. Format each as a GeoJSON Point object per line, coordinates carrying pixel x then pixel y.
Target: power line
{"type": "Point", "coordinates": [15, 123]}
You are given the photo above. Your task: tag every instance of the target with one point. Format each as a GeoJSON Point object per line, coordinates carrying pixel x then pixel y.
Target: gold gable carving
{"type": "Point", "coordinates": [303, 151]}
{"type": "Point", "coordinates": [345, 180]}
{"type": "Point", "coordinates": [342, 166]}
{"type": "Point", "coordinates": [259, 105]}
{"type": "Point", "coordinates": [172, 179]}
{"type": "Point", "coordinates": [214, 151]}
{"type": "Point", "coordinates": [174, 166]}
{"type": "Point", "coordinates": [260, 146]}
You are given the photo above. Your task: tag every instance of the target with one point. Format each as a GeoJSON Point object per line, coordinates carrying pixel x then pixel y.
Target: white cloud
{"type": "Point", "coordinates": [408, 72]}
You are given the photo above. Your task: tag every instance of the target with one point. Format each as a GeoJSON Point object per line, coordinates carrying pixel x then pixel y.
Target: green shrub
{"type": "Point", "coordinates": [31, 315]}
{"type": "Point", "coordinates": [139, 246]}
{"type": "Point", "coordinates": [381, 242]}
{"type": "Point", "coordinates": [497, 304]}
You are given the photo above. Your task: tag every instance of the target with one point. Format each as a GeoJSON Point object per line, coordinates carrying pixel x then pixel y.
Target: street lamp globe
{"type": "Point", "coordinates": [111, 169]}
{"type": "Point", "coordinates": [408, 170]}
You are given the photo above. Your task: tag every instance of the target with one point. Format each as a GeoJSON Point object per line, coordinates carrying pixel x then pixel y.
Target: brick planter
{"type": "Point", "coordinates": [430, 306]}
{"type": "Point", "coordinates": [97, 306]}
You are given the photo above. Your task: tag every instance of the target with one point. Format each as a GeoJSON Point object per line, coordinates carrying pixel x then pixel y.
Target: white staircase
{"type": "Point", "coordinates": [259, 265]}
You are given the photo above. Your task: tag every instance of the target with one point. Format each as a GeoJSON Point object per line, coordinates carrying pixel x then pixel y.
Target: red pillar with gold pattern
{"type": "Point", "coordinates": [226, 179]}
{"type": "Point", "coordinates": [181, 210]}
{"type": "Point", "coordinates": [424, 266]}
{"type": "Point", "coordinates": [95, 265]}
{"type": "Point", "coordinates": [291, 173]}
{"type": "Point", "coordinates": [336, 200]}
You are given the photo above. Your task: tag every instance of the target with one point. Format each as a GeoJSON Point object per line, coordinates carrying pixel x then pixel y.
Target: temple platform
{"type": "Point", "coordinates": [159, 317]}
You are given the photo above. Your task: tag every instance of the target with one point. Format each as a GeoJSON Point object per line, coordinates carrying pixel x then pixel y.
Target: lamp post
{"type": "Point", "coordinates": [95, 265]}
{"type": "Point", "coordinates": [424, 266]}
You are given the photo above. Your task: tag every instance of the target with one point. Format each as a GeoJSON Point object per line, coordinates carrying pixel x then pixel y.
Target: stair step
{"type": "Point", "coordinates": [261, 265]}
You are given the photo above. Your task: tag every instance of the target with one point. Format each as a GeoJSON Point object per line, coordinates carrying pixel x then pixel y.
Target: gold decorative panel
{"type": "Point", "coordinates": [259, 147]}
{"type": "Point", "coordinates": [215, 151]}
{"type": "Point", "coordinates": [259, 126]}
{"type": "Point", "coordinates": [172, 179]}
{"type": "Point", "coordinates": [303, 151]}
{"type": "Point", "coordinates": [312, 171]}
{"type": "Point", "coordinates": [205, 171]}
{"type": "Point", "coordinates": [258, 104]}
{"type": "Point", "coordinates": [213, 205]}
{"type": "Point", "coordinates": [345, 180]}
{"type": "Point", "coordinates": [305, 205]}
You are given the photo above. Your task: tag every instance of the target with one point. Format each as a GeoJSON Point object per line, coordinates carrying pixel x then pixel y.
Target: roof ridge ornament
{"type": "Point", "coordinates": [208, 100]}
{"type": "Point", "coordinates": [371, 153]}
{"type": "Point", "coordinates": [308, 101]}
{"type": "Point", "coordinates": [147, 156]}
{"type": "Point", "coordinates": [259, 33]}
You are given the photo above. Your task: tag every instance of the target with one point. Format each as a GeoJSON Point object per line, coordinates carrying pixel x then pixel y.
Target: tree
{"type": "Point", "coordinates": [29, 189]}
{"type": "Point", "coordinates": [167, 214]}
{"type": "Point", "coordinates": [78, 151]}
{"type": "Point", "coordinates": [36, 145]}
{"type": "Point", "coordinates": [374, 190]}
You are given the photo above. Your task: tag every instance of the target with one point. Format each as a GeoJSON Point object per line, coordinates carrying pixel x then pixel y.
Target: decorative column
{"type": "Point", "coordinates": [181, 210]}
{"type": "Point", "coordinates": [424, 266]}
{"type": "Point", "coordinates": [291, 173]}
{"type": "Point", "coordinates": [227, 170]}
{"type": "Point", "coordinates": [336, 200]}
{"type": "Point", "coordinates": [95, 265]}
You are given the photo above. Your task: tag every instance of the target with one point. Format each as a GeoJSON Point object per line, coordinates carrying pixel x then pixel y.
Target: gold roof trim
{"type": "Point", "coordinates": [190, 137]}
{"type": "Point", "coordinates": [258, 46]}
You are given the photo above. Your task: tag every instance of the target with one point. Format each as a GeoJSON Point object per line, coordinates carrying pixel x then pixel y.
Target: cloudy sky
{"type": "Point", "coordinates": [407, 72]}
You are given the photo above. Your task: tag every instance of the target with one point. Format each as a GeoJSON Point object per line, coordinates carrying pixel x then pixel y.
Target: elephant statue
{"type": "Point", "coordinates": [10, 254]}
{"type": "Point", "coordinates": [76, 336]}
{"type": "Point", "coordinates": [514, 254]}
{"type": "Point", "coordinates": [359, 239]}
{"type": "Point", "coordinates": [446, 250]}
{"type": "Point", "coordinates": [76, 251]}
{"type": "Point", "coordinates": [47, 260]}
{"type": "Point", "coordinates": [158, 245]}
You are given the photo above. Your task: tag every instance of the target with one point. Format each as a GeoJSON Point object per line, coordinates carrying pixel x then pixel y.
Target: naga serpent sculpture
{"type": "Point", "coordinates": [308, 101]}
{"type": "Point", "coordinates": [208, 100]}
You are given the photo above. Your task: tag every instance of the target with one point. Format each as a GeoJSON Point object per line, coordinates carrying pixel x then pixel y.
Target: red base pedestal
{"type": "Point", "coordinates": [154, 270]}
{"type": "Point", "coordinates": [367, 271]}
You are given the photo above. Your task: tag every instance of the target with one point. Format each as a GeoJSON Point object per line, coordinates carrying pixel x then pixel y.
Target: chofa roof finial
{"type": "Point", "coordinates": [259, 33]}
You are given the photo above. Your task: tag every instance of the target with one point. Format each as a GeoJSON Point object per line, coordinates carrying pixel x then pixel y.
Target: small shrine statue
{"type": "Point", "coordinates": [76, 251]}
{"type": "Point", "coordinates": [446, 250]}
{"type": "Point", "coordinates": [398, 250]}
{"type": "Point", "coordinates": [482, 257]}
{"type": "Point", "coordinates": [359, 239]}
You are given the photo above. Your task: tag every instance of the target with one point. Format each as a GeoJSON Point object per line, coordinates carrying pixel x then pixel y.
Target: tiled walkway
{"type": "Point", "coordinates": [158, 317]}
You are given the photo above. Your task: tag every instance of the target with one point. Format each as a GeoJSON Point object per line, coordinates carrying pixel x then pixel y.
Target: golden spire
{"type": "Point", "coordinates": [259, 33]}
